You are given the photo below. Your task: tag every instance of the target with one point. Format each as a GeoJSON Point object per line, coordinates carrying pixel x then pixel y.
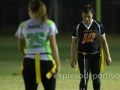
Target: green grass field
{"type": "Point", "coordinates": [10, 61]}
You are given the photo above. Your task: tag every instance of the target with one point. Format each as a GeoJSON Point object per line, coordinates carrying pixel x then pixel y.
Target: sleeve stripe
{"type": "Point", "coordinates": [103, 34]}
{"type": "Point", "coordinates": [73, 37]}
{"type": "Point", "coordinates": [99, 27]}
{"type": "Point", "coordinates": [77, 29]}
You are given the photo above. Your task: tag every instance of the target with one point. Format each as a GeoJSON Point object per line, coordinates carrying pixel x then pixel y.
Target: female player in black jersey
{"type": "Point", "coordinates": [90, 35]}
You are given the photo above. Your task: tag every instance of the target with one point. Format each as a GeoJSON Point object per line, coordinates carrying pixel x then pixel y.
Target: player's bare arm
{"type": "Point", "coordinates": [73, 51]}
{"type": "Point", "coordinates": [21, 45]}
{"type": "Point", "coordinates": [106, 48]}
{"type": "Point", "coordinates": [55, 53]}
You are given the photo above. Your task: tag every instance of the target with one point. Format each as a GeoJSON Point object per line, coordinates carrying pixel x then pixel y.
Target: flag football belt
{"type": "Point", "coordinates": [102, 61]}
{"type": "Point", "coordinates": [37, 69]}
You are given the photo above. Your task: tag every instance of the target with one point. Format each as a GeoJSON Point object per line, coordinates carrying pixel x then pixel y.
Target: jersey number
{"type": "Point", "coordinates": [88, 37]}
{"type": "Point", "coordinates": [35, 37]}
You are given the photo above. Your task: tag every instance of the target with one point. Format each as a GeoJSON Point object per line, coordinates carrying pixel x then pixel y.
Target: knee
{"type": "Point", "coordinates": [82, 82]}
{"type": "Point", "coordinates": [95, 79]}
{"type": "Point", "coordinates": [96, 83]}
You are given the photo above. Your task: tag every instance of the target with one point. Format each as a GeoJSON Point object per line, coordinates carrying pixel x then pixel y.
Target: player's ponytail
{"type": "Point", "coordinates": [87, 8]}
{"type": "Point", "coordinates": [39, 10]}
{"type": "Point", "coordinates": [42, 12]}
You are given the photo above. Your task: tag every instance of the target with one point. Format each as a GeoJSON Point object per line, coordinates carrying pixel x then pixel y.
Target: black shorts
{"type": "Point", "coordinates": [29, 74]}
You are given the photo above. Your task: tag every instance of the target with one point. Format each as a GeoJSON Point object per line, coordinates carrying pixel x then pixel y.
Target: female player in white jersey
{"type": "Point", "coordinates": [88, 34]}
{"type": "Point", "coordinates": [38, 36]}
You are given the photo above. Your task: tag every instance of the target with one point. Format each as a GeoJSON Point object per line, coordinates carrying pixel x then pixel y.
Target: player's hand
{"type": "Point", "coordinates": [57, 70]}
{"type": "Point", "coordinates": [108, 61]}
{"type": "Point", "coordinates": [73, 63]}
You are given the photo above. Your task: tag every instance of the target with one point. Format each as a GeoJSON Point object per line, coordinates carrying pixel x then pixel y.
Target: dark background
{"type": "Point", "coordinates": [65, 13]}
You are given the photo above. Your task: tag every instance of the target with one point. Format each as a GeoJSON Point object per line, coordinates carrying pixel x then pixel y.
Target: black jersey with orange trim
{"type": "Point", "coordinates": [89, 38]}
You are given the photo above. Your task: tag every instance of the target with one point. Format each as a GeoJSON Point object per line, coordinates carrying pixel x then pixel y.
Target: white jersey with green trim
{"type": "Point", "coordinates": [36, 37]}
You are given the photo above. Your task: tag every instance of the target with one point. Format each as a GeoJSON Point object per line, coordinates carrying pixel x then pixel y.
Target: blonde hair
{"type": "Point", "coordinates": [39, 10]}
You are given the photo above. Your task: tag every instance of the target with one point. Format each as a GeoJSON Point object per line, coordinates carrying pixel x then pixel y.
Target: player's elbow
{"type": "Point", "coordinates": [53, 45]}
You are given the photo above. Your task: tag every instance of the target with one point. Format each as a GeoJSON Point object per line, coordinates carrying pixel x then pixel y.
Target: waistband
{"type": "Point", "coordinates": [84, 53]}
{"type": "Point", "coordinates": [35, 53]}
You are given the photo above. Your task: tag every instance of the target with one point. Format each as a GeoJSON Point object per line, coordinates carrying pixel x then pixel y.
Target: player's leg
{"type": "Point", "coordinates": [95, 70]}
{"type": "Point", "coordinates": [48, 84]}
{"type": "Point", "coordinates": [84, 71]}
{"type": "Point", "coordinates": [29, 74]}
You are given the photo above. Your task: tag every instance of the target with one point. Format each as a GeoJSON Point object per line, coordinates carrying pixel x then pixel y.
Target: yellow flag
{"type": "Point", "coordinates": [37, 68]}
{"type": "Point", "coordinates": [102, 60]}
